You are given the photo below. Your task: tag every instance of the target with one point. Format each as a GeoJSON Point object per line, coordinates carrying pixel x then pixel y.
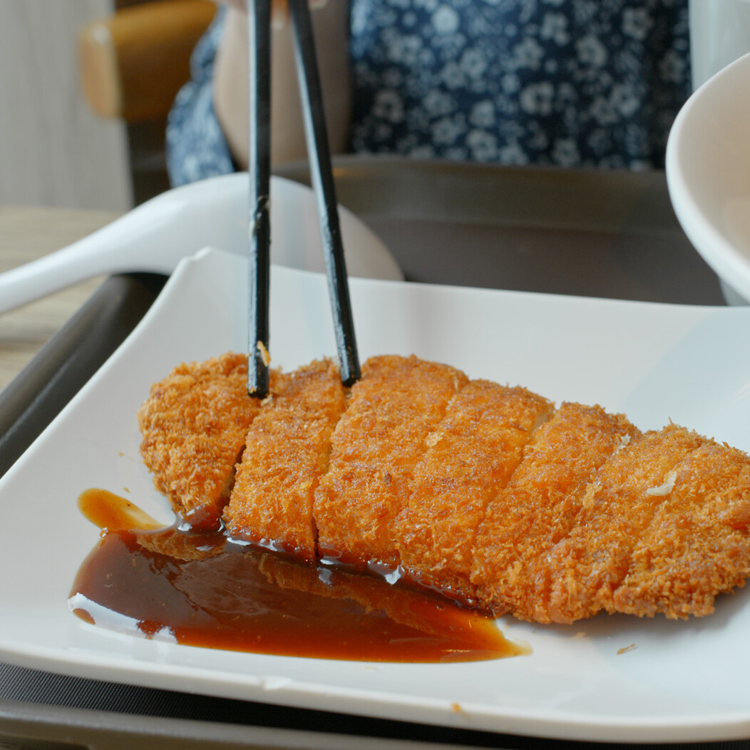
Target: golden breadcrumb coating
{"type": "Point", "coordinates": [470, 457]}
{"type": "Point", "coordinates": [582, 571]}
{"type": "Point", "coordinates": [540, 503]}
{"type": "Point", "coordinates": [287, 450]}
{"type": "Point", "coordinates": [475, 489]}
{"type": "Point", "coordinates": [376, 446]}
{"type": "Point", "coordinates": [193, 428]}
{"type": "Point", "coordinates": [697, 545]}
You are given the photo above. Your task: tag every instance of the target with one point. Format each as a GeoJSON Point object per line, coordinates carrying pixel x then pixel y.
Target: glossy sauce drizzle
{"type": "Point", "coordinates": [201, 589]}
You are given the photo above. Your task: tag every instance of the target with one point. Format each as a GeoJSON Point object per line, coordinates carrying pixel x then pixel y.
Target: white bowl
{"type": "Point", "coordinates": [708, 173]}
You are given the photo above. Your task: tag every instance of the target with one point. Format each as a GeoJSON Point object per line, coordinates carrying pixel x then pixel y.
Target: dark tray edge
{"type": "Point", "coordinates": [69, 359]}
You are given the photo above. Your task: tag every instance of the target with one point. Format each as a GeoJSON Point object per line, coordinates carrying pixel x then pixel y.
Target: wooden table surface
{"type": "Point", "coordinates": [27, 233]}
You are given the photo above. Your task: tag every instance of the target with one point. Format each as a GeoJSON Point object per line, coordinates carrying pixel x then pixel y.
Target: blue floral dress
{"type": "Point", "coordinates": [195, 143]}
{"type": "Point", "coordinates": [565, 82]}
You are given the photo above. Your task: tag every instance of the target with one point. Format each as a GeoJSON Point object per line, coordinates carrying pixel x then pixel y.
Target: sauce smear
{"type": "Point", "coordinates": [201, 589]}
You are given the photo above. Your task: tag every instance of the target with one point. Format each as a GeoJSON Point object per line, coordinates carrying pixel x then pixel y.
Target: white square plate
{"type": "Point", "coordinates": [613, 678]}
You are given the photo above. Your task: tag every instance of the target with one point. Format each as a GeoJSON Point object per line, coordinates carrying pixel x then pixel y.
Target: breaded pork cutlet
{"type": "Point", "coordinates": [540, 503]}
{"type": "Point", "coordinates": [287, 450]}
{"type": "Point", "coordinates": [697, 544]}
{"type": "Point", "coordinates": [470, 456]}
{"type": "Point", "coordinates": [193, 428]}
{"type": "Point", "coordinates": [582, 571]}
{"type": "Point", "coordinates": [596, 516]}
{"type": "Point", "coordinates": [376, 445]}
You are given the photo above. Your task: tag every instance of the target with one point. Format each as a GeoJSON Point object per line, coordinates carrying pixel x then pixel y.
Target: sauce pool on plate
{"type": "Point", "coordinates": [200, 588]}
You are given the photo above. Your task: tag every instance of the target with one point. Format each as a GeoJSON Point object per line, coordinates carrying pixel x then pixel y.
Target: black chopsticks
{"type": "Point", "coordinates": [259, 160]}
{"type": "Point", "coordinates": [316, 134]}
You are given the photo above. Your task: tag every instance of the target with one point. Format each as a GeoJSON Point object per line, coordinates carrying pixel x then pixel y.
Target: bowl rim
{"type": "Point", "coordinates": [730, 264]}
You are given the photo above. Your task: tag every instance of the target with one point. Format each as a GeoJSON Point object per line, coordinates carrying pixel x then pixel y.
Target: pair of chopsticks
{"type": "Point", "coordinates": [316, 134]}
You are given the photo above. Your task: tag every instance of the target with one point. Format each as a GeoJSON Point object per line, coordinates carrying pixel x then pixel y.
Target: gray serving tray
{"type": "Point", "coordinates": [606, 234]}
{"type": "Point", "coordinates": [579, 232]}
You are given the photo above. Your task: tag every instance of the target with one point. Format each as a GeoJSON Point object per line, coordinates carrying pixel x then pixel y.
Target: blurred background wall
{"type": "Point", "coordinates": [53, 150]}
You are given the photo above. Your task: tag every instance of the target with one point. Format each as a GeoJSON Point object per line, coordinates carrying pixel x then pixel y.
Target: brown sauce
{"type": "Point", "coordinates": [201, 589]}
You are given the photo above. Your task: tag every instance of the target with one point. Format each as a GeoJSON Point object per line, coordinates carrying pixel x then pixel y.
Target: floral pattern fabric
{"type": "Point", "coordinates": [565, 82]}
{"type": "Point", "coordinates": [195, 143]}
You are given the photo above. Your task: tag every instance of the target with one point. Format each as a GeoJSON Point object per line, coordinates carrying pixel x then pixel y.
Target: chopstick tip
{"type": "Point", "coordinates": [258, 361]}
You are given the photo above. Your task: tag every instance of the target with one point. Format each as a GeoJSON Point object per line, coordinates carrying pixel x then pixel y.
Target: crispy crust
{"type": "Point", "coordinates": [458, 483]}
{"type": "Point", "coordinates": [540, 504]}
{"type": "Point", "coordinates": [697, 544]}
{"type": "Point", "coordinates": [471, 456]}
{"type": "Point", "coordinates": [193, 428]}
{"type": "Point", "coordinates": [376, 446]}
{"type": "Point", "coordinates": [583, 569]}
{"type": "Point", "coordinates": [287, 451]}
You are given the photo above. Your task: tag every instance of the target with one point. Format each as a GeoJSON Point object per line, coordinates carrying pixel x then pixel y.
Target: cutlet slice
{"type": "Point", "coordinates": [582, 571]}
{"type": "Point", "coordinates": [697, 545]}
{"type": "Point", "coordinates": [540, 503]}
{"type": "Point", "coordinates": [287, 450]}
{"type": "Point", "coordinates": [377, 444]}
{"type": "Point", "coordinates": [193, 429]}
{"type": "Point", "coordinates": [472, 454]}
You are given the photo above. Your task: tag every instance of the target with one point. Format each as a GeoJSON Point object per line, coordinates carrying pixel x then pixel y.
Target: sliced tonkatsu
{"type": "Point", "coordinates": [541, 502]}
{"type": "Point", "coordinates": [697, 544]}
{"type": "Point", "coordinates": [483, 492]}
{"type": "Point", "coordinates": [582, 571]}
{"type": "Point", "coordinates": [193, 429]}
{"type": "Point", "coordinates": [470, 456]}
{"type": "Point", "coordinates": [287, 451]}
{"type": "Point", "coordinates": [376, 446]}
